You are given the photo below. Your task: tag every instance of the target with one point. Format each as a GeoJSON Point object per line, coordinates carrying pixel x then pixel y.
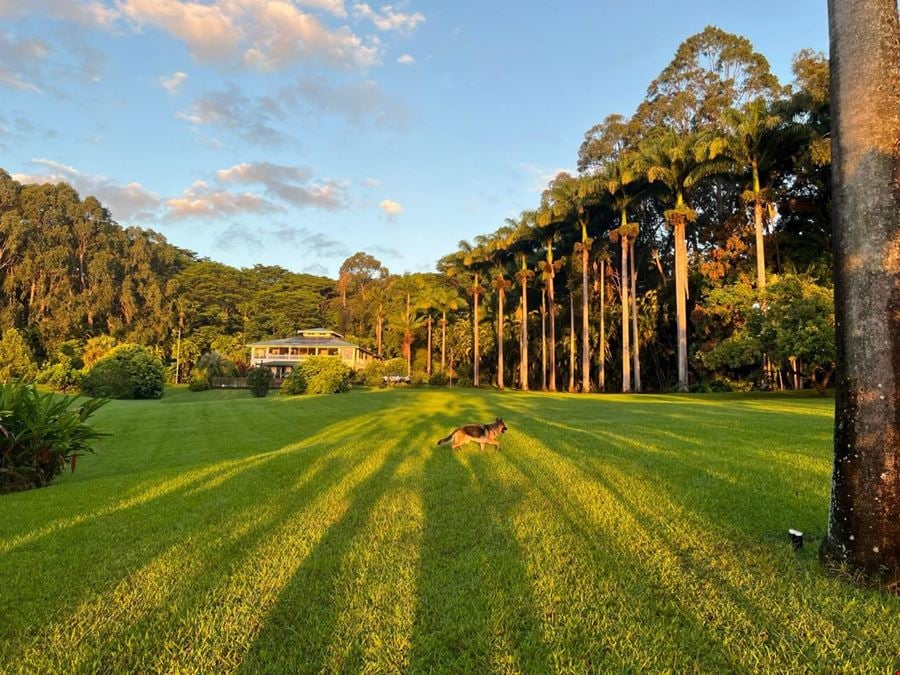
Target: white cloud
{"type": "Point", "coordinates": [173, 82]}
{"type": "Point", "coordinates": [126, 202]}
{"type": "Point", "coordinates": [406, 60]}
{"type": "Point", "coordinates": [90, 12]}
{"type": "Point", "coordinates": [391, 209]}
{"type": "Point", "coordinates": [291, 184]}
{"type": "Point", "coordinates": [360, 103]}
{"type": "Point", "coordinates": [201, 200]}
{"type": "Point", "coordinates": [251, 119]}
{"type": "Point", "coordinates": [389, 18]}
{"type": "Point", "coordinates": [267, 34]}
{"type": "Point", "coordinates": [372, 182]}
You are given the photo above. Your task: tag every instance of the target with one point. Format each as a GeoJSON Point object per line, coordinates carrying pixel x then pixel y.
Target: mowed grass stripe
{"type": "Point", "coordinates": [215, 532]}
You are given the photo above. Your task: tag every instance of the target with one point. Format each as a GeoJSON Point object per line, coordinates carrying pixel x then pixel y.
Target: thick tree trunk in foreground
{"type": "Point", "coordinates": [864, 519]}
{"type": "Point", "coordinates": [602, 325]}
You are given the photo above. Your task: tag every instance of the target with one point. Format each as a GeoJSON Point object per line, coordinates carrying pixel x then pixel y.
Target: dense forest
{"type": "Point", "coordinates": [692, 250]}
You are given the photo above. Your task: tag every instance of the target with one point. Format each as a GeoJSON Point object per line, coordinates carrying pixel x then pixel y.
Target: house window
{"type": "Point", "coordinates": [295, 351]}
{"type": "Point", "coordinates": [332, 351]}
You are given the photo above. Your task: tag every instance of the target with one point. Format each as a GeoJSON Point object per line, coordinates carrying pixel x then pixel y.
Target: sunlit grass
{"type": "Point", "coordinates": [215, 532]}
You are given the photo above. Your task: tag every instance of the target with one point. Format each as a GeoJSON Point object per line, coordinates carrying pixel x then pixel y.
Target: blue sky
{"type": "Point", "coordinates": [296, 132]}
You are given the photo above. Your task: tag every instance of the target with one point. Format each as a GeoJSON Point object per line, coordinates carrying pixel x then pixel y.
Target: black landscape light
{"type": "Point", "coordinates": [796, 539]}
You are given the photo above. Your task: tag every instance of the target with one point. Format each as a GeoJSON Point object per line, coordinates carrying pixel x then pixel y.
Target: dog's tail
{"type": "Point", "coordinates": [447, 439]}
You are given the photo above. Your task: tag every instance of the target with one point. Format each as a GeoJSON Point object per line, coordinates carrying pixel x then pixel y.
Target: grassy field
{"type": "Point", "coordinates": [218, 532]}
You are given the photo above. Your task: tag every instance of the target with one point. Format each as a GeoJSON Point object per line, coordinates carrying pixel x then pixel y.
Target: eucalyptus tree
{"type": "Point", "coordinates": [864, 516]}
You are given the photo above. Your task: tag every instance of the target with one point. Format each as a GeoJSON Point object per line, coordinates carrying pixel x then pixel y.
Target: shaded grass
{"type": "Point", "coordinates": [215, 532]}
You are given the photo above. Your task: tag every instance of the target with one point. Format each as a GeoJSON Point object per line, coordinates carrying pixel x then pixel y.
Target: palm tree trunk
{"type": "Point", "coordinates": [551, 302]}
{"type": "Point", "coordinates": [571, 343]}
{"type": "Point", "coordinates": [681, 299]}
{"type": "Point", "coordinates": [636, 348]}
{"type": "Point", "coordinates": [585, 319]}
{"type": "Point", "coordinates": [443, 340]}
{"type": "Point", "coordinates": [864, 516]}
{"type": "Point", "coordinates": [544, 339]}
{"type": "Point", "coordinates": [475, 354]}
{"type": "Point", "coordinates": [500, 338]}
{"type": "Point", "coordinates": [602, 325]}
{"type": "Point", "coordinates": [758, 225]}
{"type": "Point", "coordinates": [623, 293]}
{"type": "Point", "coordinates": [523, 346]}
{"type": "Point", "coordinates": [428, 362]}
{"type": "Point", "coordinates": [407, 338]}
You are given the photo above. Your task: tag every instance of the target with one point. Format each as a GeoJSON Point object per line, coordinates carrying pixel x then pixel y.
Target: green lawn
{"type": "Point", "coordinates": [218, 532]}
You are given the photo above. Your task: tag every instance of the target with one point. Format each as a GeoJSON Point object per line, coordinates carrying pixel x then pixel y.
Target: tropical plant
{"type": "Point", "coordinates": [16, 359]}
{"type": "Point", "coordinates": [40, 434]}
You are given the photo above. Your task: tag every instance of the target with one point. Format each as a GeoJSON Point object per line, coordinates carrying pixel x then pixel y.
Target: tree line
{"type": "Point", "coordinates": [690, 250]}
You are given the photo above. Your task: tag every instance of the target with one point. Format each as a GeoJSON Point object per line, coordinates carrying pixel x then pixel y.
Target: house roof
{"type": "Point", "coordinates": [301, 341]}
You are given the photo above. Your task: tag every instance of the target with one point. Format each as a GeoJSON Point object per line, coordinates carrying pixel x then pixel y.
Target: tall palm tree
{"type": "Point", "coordinates": [675, 161]}
{"type": "Point", "coordinates": [445, 299]}
{"type": "Point", "coordinates": [476, 260]}
{"type": "Point", "coordinates": [750, 139]}
{"type": "Point", "coordinates": [567, 199]}
{"type": "Point", "coordinates": [521, 247]}
{"type": "Point", "coordinates": [601, 266]}
{"type": "Point", "coordinates": [636, 351]}
{"type": "Point", "coordinates": [549, 267]}
{"type": "Point", "coordinates": [864, 516]}
{"type": "Point", "coordinates": [499, 255]}
{"type": "Point", "coordinates": [622, 235]}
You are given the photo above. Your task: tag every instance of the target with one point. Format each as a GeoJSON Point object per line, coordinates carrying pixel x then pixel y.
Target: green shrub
{"type": "Point", "coordinates": [372, 375]}
{"type": "Point", "coordinates": [438, 379]}
{"type": "Point", "coordinates": [128, 371]}
{"type": "Point", "coordinates": [39, 434]}
{"type": "Point", "coordinates": [16, 360]}
{"type": "Point", "coordinates": [418, 378]}
{"type": "Point", "coordinates": [294, 383]}
{"type": "Point", "coordinates": [325, 375]}
{"type": "Point", "coordinates": [199, 384]}
{"type": "Point", "coordinates": [60, 376]}
{"type": "Point", "coordinates": [259, 380]}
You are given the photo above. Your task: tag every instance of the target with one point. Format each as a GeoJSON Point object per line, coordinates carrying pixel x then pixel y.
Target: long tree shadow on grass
{"type": "Point", "coordinates": [148, 530]}
{"type": "Point", "coordinates": [740, 488]}
{"type": "Point", "coordinates": [300, 631]}
{"type": "Point", "coordinates": [609, 614]}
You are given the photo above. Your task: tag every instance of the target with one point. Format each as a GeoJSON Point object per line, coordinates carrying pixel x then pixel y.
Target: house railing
{"type": "Point", "coordinates": [239, 383]}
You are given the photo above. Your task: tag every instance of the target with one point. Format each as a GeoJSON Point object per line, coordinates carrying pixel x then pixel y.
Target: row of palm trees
{"type": "Point", "coordinates": [638, 162]}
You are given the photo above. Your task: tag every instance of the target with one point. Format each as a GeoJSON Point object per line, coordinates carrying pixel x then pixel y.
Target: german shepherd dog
{"type": "Point", "coordinates": [483, 434]}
